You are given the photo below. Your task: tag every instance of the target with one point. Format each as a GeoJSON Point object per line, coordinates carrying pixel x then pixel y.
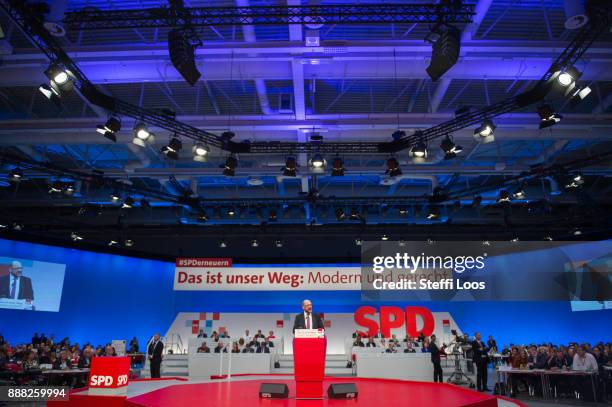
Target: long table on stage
{"type": "Point", "coordinates": [371, 362]}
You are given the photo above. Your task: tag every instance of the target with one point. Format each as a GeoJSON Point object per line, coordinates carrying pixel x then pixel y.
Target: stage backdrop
{"type": "Point", "coordinates": [108, 297]}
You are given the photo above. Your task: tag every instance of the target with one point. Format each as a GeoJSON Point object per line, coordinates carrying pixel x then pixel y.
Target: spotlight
{"type": "Point", "coordinates": [358, 242]}
{"type": "Point", "coordinates": [578, 94]}
{"type": "Point", "coordinates": [433, 213]}
{"type": "Point", "coordinates": [317, 162]}
{"type": "Point", "coordinates": [200, 151]}
{"type": "Point", "coordinates": [55, 188]}
{"type": "Point", "coordinates": [419, 152]}
{"type": "Point", "coordinates": [340, 215]}
{"type": "Point", "coordinates": [393, 168]}
{"type": "Point", "coordinates": [202, 217]}
{"type": "Point", "coordinates": [354, 214]}
{"type": "Point", "coordinates": [401, 243]}
{"type": "Point", "coordinates": [75, 237]}
{"type": "Point", "coordinates": [402, 211]}
{"type": "Point", "coordinates": [272, 215]}
{"type": "Point", "coordinates": [16, 174]}
{"type": "Point", "coordinates": [574, 181]}
{"type": "Point", "coordinates": [484, 133]}
{"type": "Point", "coordinates": [290, 169]}
{"type": "Point", "coordinates": [129, 243]}
{"type": "Point", "coordinates": [222, 244]}
{"type": "Point", "coordinates": [450, 148]}
{"type": "Point", "coordinates": [254, 243]}
{"type": "Point", "coordinates": [515, 240]}
{"type": "Point", "coordinates": [50, 93]}
{"type": "Point", "coordinates": [519, 193]}
{"type": "Point", "coordinates": [229, 169]}
{"type": "Point", "coordinates": [115, 197]}
{"type": "Point", "coordinates": [549, 238]}
{"type": "Point", "coordinates": [445, 50]}
{"type": "Point", "coordinates": [173, 148]}
{"type": "Point", "coordinates": [3, 226]}
{"type": "Point", "coordinates": [278, 244]}
{"type": "Point", "coordinates": [337, 167]}
{"type": "Point", "coordinates": [182, 53]}
{"type": "Point", "coordinates": [548, 117]}
{"type": "Point", "coordinates": [128, 203]}
{"type": "Point", "coordinates": [568, 76]}
{"type": "Point", "coordinates": [231, 212]}
{"type": "Point", "coordinates": [504, 196]}
{"type": "Point", "coordinates": [110, 128]}
{"type": "Point", "coordinates": [59, 77]}
{"type": "Point", "coordinates": [69, 189]}
{"type": "Point", "coordinates": [113, 242]}
{"type": "Point", "coordinates": [142, 136]}
{"type": "Point", "coordinates": [577, 232]}
{"type": "Point", "coordinates": [17, 226]}
{"type": "Point", "coordinates": [384, 238]}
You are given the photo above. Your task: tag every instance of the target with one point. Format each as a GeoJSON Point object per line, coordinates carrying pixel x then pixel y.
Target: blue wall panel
{"type": "Point", "coordinates": [113, 297]}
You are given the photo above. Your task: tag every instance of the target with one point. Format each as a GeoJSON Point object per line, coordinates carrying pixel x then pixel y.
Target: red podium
{"type": "Point", "coordinates": [309, 363]}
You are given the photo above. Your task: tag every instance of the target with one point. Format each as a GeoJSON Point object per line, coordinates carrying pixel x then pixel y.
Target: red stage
{"type": "Point", "coordinates": [246, 393]}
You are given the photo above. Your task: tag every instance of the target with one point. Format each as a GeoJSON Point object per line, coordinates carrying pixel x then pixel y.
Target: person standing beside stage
{"type": "Point", "coordinates": [154, 353]}
{"type": "Point", "coordinates": [306, 319]}
{"type": "Point", "coordinates": [480, 359]}
{"type": "Point", "coordinates": [435, 359]}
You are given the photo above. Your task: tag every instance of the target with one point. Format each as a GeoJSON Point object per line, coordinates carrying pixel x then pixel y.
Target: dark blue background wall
{"type": "Point", "coordinates": [113, 297]}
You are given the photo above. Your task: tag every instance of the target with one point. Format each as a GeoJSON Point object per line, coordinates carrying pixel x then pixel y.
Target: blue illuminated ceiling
{"type": "Point", "coordinates": [263, 84]}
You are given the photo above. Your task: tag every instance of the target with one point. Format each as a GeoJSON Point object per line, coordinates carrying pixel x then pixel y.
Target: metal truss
{"type": "Point", "coordinates": [278, 15]}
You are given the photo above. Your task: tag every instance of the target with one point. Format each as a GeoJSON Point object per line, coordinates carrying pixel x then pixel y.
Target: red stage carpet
{"type": "Point", "coordinates": [372, 392]}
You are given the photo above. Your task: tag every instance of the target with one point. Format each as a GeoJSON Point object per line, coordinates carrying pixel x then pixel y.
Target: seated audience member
{"type": "Point", "coordinates": [410, 339]}
{"type": "Point", "coordinates": [215, 336]}
{"type": "Point", "coordinates": [109, 351]}
{"type": "Point", "coordinates": [220, 348]}
{"type": "Point", "coordinates": [355, 334]}
{"type": "Point", "coordinates": [584, 362]}
{"type": "Point", "coordinates": [134, 348]}
{"type": "Point", "coordinates": [224, 334]}
{"type": "Point", "coordinates": [31, 361]}
{"type": "Point", "coordinates": [409, 348]}
{"type": "Point", "coordinates": [391, 348]}
{"type": "Point", "coordinates": [241, 343]}
{"type": "Point", "coordinates": [571, 352]}
{"type": "Point", "coordinates": [63, 363]}
{"type": "Point", "coordinates": [425, 347]}
{"type": "Point", "coordinates": [259, 335]}
{"type": "Point", "coordinates": [247, 336]}
{"type": "Point", "coordinates": [558, 362]}
{"type": "Point", "coordinates": [271, 335]}
{"type": "Point", "coordinates": [394, 339]}
{"type": "Point", "coordinates": [35, 339]}
{"type": "Point", "coordinates": [358, 341]}
{"type": "Point", "coordinates": [85, 359]}
{"type": "Point", "coordinates": [202, 334]}
{"type": "Point", "coordinates": [235, 348]}
{"type": "Point", "coordinates": [422, 338]}
{"type": "Point", "coordinates": [203, 348]}
{"type": "Point", "coordinates": [371, 343]}
{"type": "Point", "coordinates": [262, 348]}
{"type": "Point", "coordinates": [248, 348]}
{"type": "Point", "coordinates": [505, 351]}
{"type": "Point", "coordinates": [601, 358]}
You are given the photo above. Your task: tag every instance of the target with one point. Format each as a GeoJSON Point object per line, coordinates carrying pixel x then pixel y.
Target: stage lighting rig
{"type": "Point", "coordinates": [229, 169]}
{"type": "Point", "coordinates": [15, 175]}
{"type": "Point", "coordinates": [418, 152]}
{"type": "Point", "coordinates": [60, 77]}
{"type": "Point", "coordinates": [548, 117]}
{"type": "Point", "coordinates": [485, 132]}
{"type": "Point", "coordinates": [142, 136]}
{"type": "Point", "coordinates": [317, 163]}
{"type": "Point", "coordinates": [450, 148]}
{"type": "Point", "coordinates": [51, 93]}
{"type": "Point", "coordinates": [173, 148]}
{"type": "Point", "coordinates": [110, 129]}
{"type": "Point", "coordinates": [200, 152]}
{"type": "Point", "coordinates": [393, 167]}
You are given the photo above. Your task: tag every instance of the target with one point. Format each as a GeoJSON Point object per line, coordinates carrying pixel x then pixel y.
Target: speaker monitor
{"type": "Point", "coordinates": [273, 391]}
{"type": "Point", "coordinates": [444, 53]}
{"type": "Point", "coordinates": [182, 55]}
{"type": "Point", "coordinates": [342, 391]}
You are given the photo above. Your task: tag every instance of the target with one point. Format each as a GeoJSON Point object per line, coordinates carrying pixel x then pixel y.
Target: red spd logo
{"type": "Point", "coordinates": [395, 317]}
{"type": "Point", "coordinates": [109, 372]}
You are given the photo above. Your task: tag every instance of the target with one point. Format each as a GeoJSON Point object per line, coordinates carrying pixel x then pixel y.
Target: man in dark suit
{"type": "Point", "coordinates": [15, 285]}
{"type": "Point", "coordinates": [307, 319]}
{"type": "Point", "coordinates": [154, 353]}
{"type": "Point", "coordinates": [435, 359]}
{"type": "Point", "coordinates": [479, 357]}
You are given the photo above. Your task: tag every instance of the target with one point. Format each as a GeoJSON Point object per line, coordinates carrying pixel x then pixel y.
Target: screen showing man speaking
{"type": "Point", "coordinates": [30, 285]}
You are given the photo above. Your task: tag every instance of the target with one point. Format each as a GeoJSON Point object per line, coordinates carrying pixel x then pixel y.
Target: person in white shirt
{"type": "Point", "coordinates": [247, 336]}
{"type": "Point", "coordinates": [584, 362]}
